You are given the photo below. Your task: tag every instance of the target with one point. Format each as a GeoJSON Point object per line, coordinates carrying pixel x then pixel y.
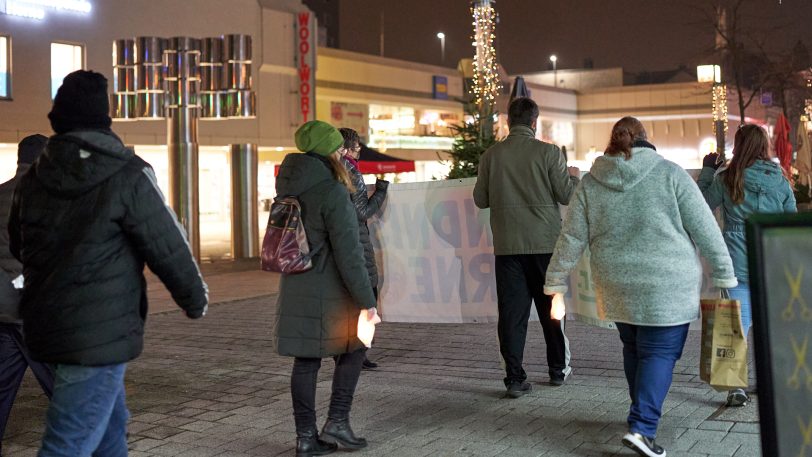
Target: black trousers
{"type": "Point", "coordinates": [303, 388]}
{"type": "Point", "coordinates": [14, 360]}
{"type": "Point", "coordinates": [519, 282]}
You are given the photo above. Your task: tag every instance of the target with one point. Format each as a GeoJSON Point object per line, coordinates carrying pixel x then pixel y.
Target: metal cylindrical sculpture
{"type": "Point", "coordinates": [244, 201]}
{"type": "Point", "coordinates": [183, 79]}
{"type": "Point", "coordinates": [240, 99]}
{"type": "Point", "coordinates": [149, 72]}
{"type": "Point", "coordinates": [122, 101]}
{"type": "Point", "coordinates": [182, 114]}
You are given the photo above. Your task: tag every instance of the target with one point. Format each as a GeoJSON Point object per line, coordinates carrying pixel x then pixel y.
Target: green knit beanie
{"type": "Point", "coordinates": [319, 137]}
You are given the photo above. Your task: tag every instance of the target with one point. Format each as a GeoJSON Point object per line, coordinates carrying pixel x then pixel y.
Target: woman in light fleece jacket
{"type": "Point", "coordinates": [643, 218]}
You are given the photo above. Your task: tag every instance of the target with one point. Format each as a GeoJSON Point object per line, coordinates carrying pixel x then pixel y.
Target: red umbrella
{"type": "Point", "coordinates": [783, 148]}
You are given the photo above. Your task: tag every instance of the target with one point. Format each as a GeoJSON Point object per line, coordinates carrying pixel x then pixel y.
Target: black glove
{"type": "Point", "coordinates": [712, 161]}
{"type": "Point", "coordinates": [381, 184]}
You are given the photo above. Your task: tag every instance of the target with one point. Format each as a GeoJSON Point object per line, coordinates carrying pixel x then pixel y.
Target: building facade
{"type": "Point", "coordinates": [403, 109]}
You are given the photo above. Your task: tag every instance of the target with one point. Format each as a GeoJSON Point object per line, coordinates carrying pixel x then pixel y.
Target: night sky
{"type": "Point", "coordinates": [639, 35]}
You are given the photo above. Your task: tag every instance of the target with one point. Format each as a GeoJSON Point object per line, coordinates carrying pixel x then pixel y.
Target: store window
{"type": "Point", "coordinates": [65, 59]}
{"type": "Point", "coordinates": [5, 65]}
{"type": "Point", "coordinates": [404, 127]}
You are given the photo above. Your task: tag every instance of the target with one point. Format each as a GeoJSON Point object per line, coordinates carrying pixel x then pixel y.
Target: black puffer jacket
{"type": "Point", "coordinates": [365, 207]}
{"type": "Point", "coordinates": [9, 266]}
{"type": "Point", "coordinates": [89, 309]}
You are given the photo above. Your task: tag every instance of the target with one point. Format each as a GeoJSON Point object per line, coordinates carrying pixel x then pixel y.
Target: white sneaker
{"type": "Point", "coordinates": [642, 445]}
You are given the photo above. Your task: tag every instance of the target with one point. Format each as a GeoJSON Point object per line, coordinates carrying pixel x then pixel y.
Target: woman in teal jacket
{"type": "Point", "coordinates": [750, 183]}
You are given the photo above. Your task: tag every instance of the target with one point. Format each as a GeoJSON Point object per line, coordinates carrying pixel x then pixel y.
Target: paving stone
{"type": "Point", "coordinates": [215, 387]}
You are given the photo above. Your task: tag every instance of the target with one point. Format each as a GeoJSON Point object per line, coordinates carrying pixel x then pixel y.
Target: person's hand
{"type": "Point", "coordinates": [372, 313]}
{"type": "Point", "coordinates": [712, 161]}
{"type": "Point", "coordinates": [574, 171]}
{"type": "Point", "coordinates": [197, 314]}
{"type": "Point", "coordinates": [558, 310]}
{"type": "Point", "coordinates": [381, 184]}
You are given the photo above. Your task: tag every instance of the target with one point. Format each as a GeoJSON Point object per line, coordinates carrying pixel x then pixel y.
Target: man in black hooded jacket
{"type": "Point", "coordinates": [84, 221]}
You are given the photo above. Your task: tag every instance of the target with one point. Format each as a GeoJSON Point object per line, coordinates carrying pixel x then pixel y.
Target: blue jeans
{"type": "Point", "coordinates": [88, 414]}
{"type": "Point", "coordinates": [649, 356]}
{"type": "Point", "coordinates": [742, 293]}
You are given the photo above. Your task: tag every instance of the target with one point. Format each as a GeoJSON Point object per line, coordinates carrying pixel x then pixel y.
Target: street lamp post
{"type": "Point", "coordinates": [554, 60]}
{"type": "Point", "coordinates": [712, 74]}
{"type": "Point", "coordinates": [441, 36]}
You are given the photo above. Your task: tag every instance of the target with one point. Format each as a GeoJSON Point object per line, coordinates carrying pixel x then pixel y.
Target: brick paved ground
{"type": "Point", "coordinates": [214, 388]}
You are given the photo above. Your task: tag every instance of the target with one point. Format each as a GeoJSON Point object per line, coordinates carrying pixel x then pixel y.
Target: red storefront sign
{"type": "Point", "coordinates": [306, 61]}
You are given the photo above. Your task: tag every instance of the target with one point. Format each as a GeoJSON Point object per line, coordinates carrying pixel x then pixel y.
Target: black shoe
{"type": "Point", "coordinates": [517, 389]}
{"type": "Point", "coordinates": [339, 431]}
{"type": "Point", "coordinates": [558, 379]}
{"type": "Point", "coordinates": [308, 444]}
{"type": "Point", "coordinates": [642, 445]}
{"type": "Point", "coordinates": [737, 397]}
{"type": "Point", "coordinates": [369, 365]}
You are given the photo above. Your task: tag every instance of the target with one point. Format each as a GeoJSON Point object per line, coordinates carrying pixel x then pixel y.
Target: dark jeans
{"type": "Point", "coordinates": [649, 356]}
{"type": "Point", "coordinates": [88, 413]}
{"type": "Point", "coordinates": [14, 360]}
{"type": "Point", "coordinates": [519, 282]}
{"type": "Point", "coordinates": [303, 388]}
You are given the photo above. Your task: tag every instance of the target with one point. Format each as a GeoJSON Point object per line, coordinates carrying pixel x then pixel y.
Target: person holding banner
{"type": "Point", "coordinates": [318, 310]}
{"type": "Point", "coordinates": [365, 205]}
{"type": "Point", "coordinates": [643, 219]}
{"type": "Point", "coordinates": [523, 180]}
{"type": "Point", "coordinates": [750, 183]}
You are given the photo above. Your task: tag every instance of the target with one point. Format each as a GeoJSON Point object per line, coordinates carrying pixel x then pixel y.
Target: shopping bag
{"type": "Point", "coordinates": [723, 358]}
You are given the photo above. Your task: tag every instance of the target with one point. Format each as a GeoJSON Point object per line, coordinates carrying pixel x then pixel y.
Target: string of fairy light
{"type": "Point", "coordinates": [719, 92]}
{"type": "Point", "coordinates": [486, 83]}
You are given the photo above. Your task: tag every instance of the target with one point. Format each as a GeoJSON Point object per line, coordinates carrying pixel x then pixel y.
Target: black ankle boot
{"type": "Point", "coordinates": [308, 444]}
{"type": "Point", "coordinates": [339, 431]}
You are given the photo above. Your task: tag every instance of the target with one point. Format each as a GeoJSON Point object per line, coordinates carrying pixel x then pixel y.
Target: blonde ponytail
{"type": "Point", "coordinates": [340, 173]}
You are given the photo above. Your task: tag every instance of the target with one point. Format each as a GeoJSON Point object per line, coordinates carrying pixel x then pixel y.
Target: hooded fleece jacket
{"type": "Point", "coordinates": [643, 220]}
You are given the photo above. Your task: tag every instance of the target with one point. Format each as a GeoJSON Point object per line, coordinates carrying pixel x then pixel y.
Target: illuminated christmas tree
{"type": "Point", "coordinates": [486, 83]}
{"type": "Point", "coordinates": [476, 135]}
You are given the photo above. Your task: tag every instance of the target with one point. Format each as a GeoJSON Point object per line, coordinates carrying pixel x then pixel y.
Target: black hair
{"type": "Point", "coordinates": [351, 137]}
{"type": "Point", "coordinates": [523, 111]}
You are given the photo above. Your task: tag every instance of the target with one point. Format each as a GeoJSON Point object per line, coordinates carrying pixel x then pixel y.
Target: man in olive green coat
{"type": "Point", "coordinates": [522, 181]}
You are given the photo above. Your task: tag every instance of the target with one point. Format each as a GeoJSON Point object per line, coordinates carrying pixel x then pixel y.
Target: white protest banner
{"type": "Point", "coordinates": [436, 263]}
{"type": "Point", "coordinates": [435, 258]}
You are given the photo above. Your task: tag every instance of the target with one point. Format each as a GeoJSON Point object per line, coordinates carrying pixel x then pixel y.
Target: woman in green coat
{"type": "Point", "coordinates": [318, 310]}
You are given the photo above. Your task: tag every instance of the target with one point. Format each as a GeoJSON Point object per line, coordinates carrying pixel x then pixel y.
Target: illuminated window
{"type": "Point", "coordinates": [5, 63]}
{"type": "Point", "coordinates": [65, 59]}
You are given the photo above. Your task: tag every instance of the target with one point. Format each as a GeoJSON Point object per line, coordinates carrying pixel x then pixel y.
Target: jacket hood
{"type": "Point", "coordinates": [615, 172]}
{"type": "Point", "coordinates": [75, 162]}
{"type": "Point", "coordinates": [763, 175]}
{"type": "Point", "coordinates": [300, 173]}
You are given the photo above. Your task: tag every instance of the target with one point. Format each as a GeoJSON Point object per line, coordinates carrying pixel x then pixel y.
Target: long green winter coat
{"type": "Point", "coordinates": [317, 311]}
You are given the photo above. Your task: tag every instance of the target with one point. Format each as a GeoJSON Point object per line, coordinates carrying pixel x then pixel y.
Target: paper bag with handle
{"type": "Point", "coordinates": [723, 359]}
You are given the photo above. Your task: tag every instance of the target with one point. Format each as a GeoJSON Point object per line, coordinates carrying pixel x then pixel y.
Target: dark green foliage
{"type": "Point", "coordinates": [471, 141]}
{"type": "Point", "coordinates": [801, 192]}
